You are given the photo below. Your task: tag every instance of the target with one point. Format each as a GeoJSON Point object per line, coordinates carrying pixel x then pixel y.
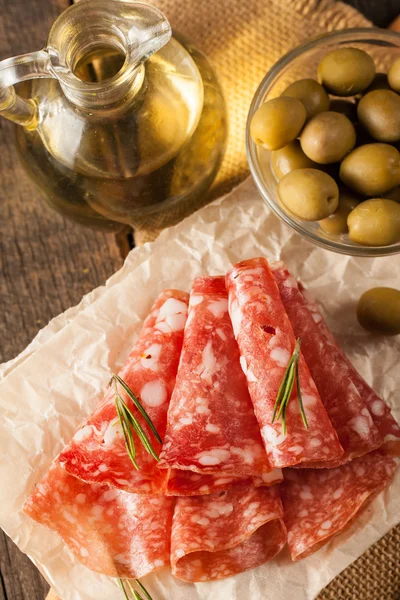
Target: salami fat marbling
{"type": "Point", "coordinates": [189, 483]}
{"type": "Point", "coordinates": [108, 530]}
{"type": "Point", "coordinates": [227, 533]}
{"type": "Point", "coordinates": [211, 423]}
{"type": "Point", "coordinates": [380, 412]}
{"type": "Point", "coordinates": [266, 342]}
{"type": "Point", "coordinates": [97, 452]}
{"type": "Point", "coordinates": [347, 410]}
{"type": "Point", "coordinates": [319, 503]}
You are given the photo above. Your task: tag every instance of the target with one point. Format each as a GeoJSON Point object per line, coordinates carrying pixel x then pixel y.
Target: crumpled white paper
{"type": "Point", "coordinates": [51, 387]}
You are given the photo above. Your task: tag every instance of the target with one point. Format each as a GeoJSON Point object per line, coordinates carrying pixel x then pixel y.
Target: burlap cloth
{"type": "Point", "coordinates": [242, 39]}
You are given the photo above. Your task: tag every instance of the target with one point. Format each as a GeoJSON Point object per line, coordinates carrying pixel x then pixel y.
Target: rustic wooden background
{"type": "Point", "coordinates": [46, 262]}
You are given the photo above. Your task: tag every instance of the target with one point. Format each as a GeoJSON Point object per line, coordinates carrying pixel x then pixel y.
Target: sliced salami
{"type": "Point", "coordinates": [97, 452]}
{"type": "Point", "coordinates": [318, 504]}
{"type": "Point", "coordinates": [266, 341]}
{"type": "Point", "coordinates": [224, 534]}
{"type": "Point", "coordinates": [335, 381]}
{"type": "Point", "coordinates": [211, 423]}
{"type": "Point", "coordinates": [109, 531]}
{"type": "Point", "coordinates": [380, 412]}
{"type": "Point", "coordinates": [188, 483]}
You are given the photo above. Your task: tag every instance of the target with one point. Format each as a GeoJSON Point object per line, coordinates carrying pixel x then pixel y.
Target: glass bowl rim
{"type": "Point", "coordinates": [374, 34]}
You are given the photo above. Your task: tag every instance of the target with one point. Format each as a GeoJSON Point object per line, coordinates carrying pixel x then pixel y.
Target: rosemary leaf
{"type": "Point", "coordinates": [303, 414]}
{"type": "Point", "coordinates": [286, 388]}
{"type": "Point", "coordinates": [121, 585]}
{"type": "Point", "coordinates": [130, 417]}
{"type": "Point", "coordinates": [130, 424]}
{"type": "Point", "coordinates": [143, 589]}
{"type": "Point", "coordinates": [126, 431]}
{"type": "Point", "coordinates": [138, 405]}
{"type": "Point", "coordinates": [284, 424]}
{"type": "Point", "coordinates": [287, 392]}
{"type": "Point", "coordinates": [280, 392]}
{"type": "Point", "coordinates": [133, 594]}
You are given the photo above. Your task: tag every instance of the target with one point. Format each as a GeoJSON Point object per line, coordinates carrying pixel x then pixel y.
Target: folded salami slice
{"type": "Point", "coordinates": [97, 452]}
{"type": "Point", "coordinates": [109, 531]}
{"type": "Point", "coordinates": [335, 380]}
{"type": "Point", "coordinates": [380, 412]}
{"type": "Point", "coordinates": [224, 534]}
{"type": "Point", "coordinates": [211, 423]}
{"type": "Point", "coordinates": [188, 483]}
{"type": "Point", "coordinates": [266, 341]}
{"type": "Point", "coordinates": [320, 503]}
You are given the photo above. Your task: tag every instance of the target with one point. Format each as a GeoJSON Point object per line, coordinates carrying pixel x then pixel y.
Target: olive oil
{"type": "Point", "coordinates": [119, 184]}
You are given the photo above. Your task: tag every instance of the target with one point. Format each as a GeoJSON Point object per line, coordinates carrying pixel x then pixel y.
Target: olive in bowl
{"type": "Point", "coordinates": [309, 194]}
{"type": "Point", "coordinates": [375, 222]}
{"type": "Point", "coordinates": [277, 122]}
{"type": "Point", "coordinates": [289, 158]}
{"type": "Point", "coordinates": [311, 94]}
{"type": "Point", "coordinates": [328, 137]}
{"type": "Point", "coordinates": [371, 170]}
{"type": "Point", "coordinates": [346, 71]}
{"type": "Point", "coordinates": [379, 113]}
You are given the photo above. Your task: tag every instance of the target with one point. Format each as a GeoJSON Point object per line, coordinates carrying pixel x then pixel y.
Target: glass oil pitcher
{"type": "Point", "coordinates": [119, 121]}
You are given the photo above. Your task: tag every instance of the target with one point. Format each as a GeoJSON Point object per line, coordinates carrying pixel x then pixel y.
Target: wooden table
{"type": "Point", "coordinates": [47, 262]}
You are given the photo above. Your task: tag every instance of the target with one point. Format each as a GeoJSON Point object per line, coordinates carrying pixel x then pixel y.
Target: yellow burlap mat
{"type": "Point", "coordinates": [374, 576]}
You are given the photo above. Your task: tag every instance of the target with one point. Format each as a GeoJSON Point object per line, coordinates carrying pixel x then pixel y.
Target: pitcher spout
{"type": "Point", "coordinates": [133, 29]}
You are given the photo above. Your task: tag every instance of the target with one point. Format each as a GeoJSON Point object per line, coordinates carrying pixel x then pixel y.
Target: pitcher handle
{"type": "Point", "coordinates": [15, 70]}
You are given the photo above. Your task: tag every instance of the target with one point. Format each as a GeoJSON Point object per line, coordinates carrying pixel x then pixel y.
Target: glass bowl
{"type": "Point", "coordinates": [302, 62]}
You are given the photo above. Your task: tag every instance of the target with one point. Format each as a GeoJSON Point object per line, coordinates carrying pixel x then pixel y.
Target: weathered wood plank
{"type": "Point", "coordinates": [46, 262]}
{"type": "Point", "coordinates": [20, 580]}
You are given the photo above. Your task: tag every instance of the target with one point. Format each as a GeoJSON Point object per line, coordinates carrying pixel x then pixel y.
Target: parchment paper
{"type": "Point", "coordinates": [55, 384]}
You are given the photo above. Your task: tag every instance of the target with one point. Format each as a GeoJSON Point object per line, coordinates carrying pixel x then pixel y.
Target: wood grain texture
{"type": "Point", "coordinates": [46, 262]}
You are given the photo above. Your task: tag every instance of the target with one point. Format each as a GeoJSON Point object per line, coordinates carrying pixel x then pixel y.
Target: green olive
{"type": "Point", "coordinates": [380, 82]}
{"type": "Point", "coordinates": [372, 169]}
{"type": "Point", "coordinates": [277, 122]}
{"type": "Point", "coordinates": [394, 76]}
{"type": "Point", "coordinates": [328, 137]}
{"type": "Point", "coordinates": [378, 310]}
{"type": "Point", "coordinates": [289, 158]}
{"type": "Point", "coordinates": [375, 222]}
{"type": "Point", "coordinates": [379, 112]}
{"type": "Point", "coordinates": [311, 94]}
{"type": "Point", "coordinates": [348, 108]}
{"type": "Point", "coordinates": [309, 194]}
{"type": "Point", "coordinates": [336, 223]}
{"type": "Point", "coordinates": [346, 71]}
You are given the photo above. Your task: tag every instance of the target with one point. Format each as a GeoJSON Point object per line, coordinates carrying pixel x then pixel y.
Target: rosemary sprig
{"type": "Point", "coordinates": [133, 594]}
{"type": "Point", "coordinates": [143, 589]}
{"type": "Point", "coordinates": [140, 408]}
{"type": "Point", "coordinates": [285, 390]}
{"type": "Point", "coordinates": [130, 424]}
